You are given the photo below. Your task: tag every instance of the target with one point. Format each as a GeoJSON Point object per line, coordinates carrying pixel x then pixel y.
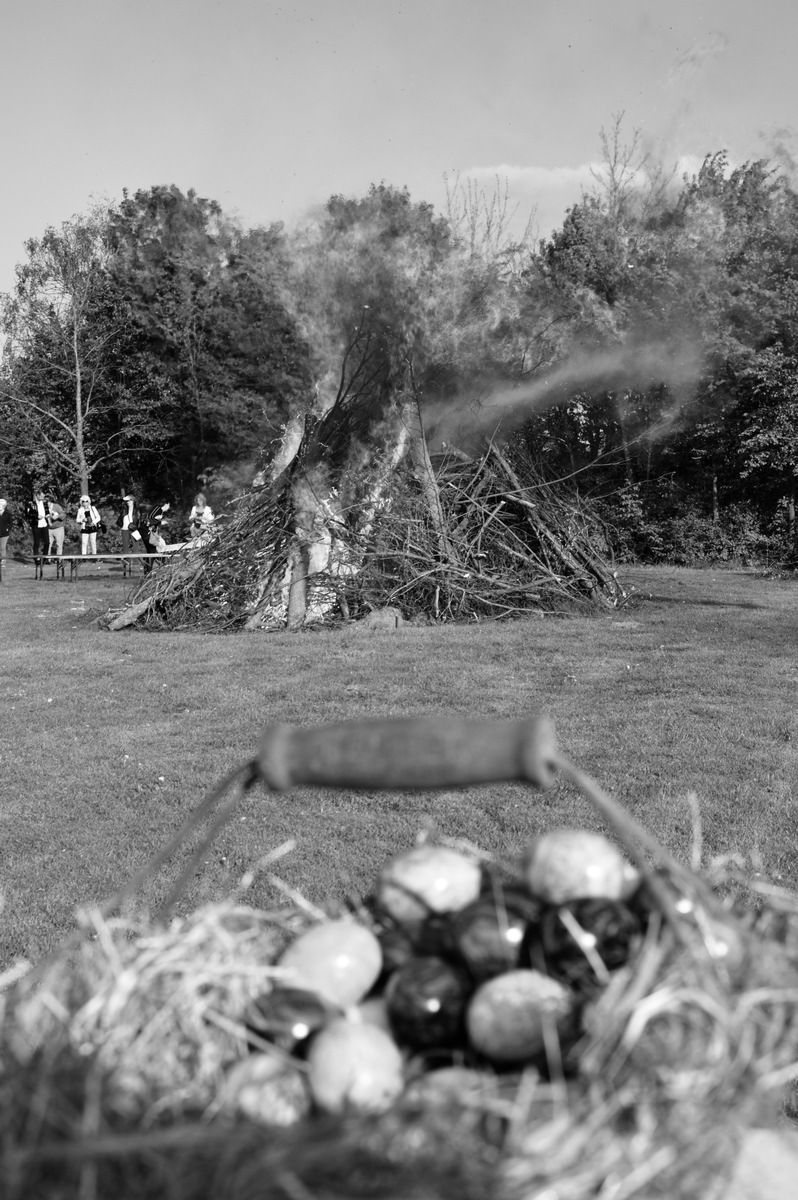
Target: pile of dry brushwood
{"type": "Point", "coordinates": [496, 540]}
{"type": "Point", "coordinates": [510, 543]}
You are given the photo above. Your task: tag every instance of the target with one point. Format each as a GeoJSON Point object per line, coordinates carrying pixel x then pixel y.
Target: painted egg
{"type": "Point", "coordinates": [426, 1001]}
{"type": "Point", "coordinates": [354, 1066]}
{"type": "Point", "coordinates": [428, 879]}
{"type": "Point", "coordinates": [582, 941]}
{"type": "Point", "coordinates": [568, 864]}
{"type": "Point", "coordinates": [397, 947]}
{"type": "Point", "coordinates": [340, 960]}
{"type": "Point", "coordinates": [267, 1089]}
{"type": "Point", "coordinates": [510, 1016]}
{"type": "Point", "coordinates": [286, 1016]}
{"type": "Point", "coordinates": [487, 935]}
{"type": "Point", "coordinates": [654, 890]}
{"type": "Point", "coordinates": [401, 943]}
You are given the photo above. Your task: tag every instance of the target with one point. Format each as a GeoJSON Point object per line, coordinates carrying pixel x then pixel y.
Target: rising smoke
{"type": "Point", "coordinates": [499, 410]}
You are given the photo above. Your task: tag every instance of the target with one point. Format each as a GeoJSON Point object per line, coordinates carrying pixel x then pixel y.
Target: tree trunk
{"type": "Point", "coordinates": [715, 505]}
{"type": "Point", "coordinates": [293, 433]}
{"type": "Point", "coordinates": [627, 457]}
{"type": "Point", "coordinates": [80, 449]}
{"type": "Point", "coordinates": [425, 475]}
{"type": "Point", "coordinates": [791, 539]}
{"type": "Point", "coordinates": [298, 587]}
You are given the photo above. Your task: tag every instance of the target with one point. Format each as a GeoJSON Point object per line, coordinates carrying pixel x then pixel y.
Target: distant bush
{"type": "Point", "coordinates": [658, 529]}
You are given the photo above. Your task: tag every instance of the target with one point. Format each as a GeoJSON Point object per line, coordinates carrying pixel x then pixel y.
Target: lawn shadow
{"type": "Point", "coordinates": [652, 599]}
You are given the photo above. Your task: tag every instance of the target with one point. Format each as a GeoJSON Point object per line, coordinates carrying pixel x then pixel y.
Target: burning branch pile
{"type": "Point", "coordinates": [511, 543]}
{"type": "Point", "coordinates": [501, 541]}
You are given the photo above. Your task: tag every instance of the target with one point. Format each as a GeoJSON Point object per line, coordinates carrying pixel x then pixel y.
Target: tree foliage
{"type": "Point", "coordinates": [646, 351]}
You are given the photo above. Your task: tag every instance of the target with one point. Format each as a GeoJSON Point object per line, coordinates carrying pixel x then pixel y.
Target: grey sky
{"type": "Point", "coordinates": [269, 108]}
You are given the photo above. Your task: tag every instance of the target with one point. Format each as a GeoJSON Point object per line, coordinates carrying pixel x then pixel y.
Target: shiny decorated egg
{"type": "Point", "coordinates": [401, 943]}
{"type": "Point", "coordinates": [657, 890]}
{"type": "Point", "coordinates": [340, 960]}
{"type": "Point", "coordinates": [582, 941]}
{"type": "Point", "coordinates": [568, 864]}
{"type": "Point", "coordinates": [662, 897]}
{"type": "Point", "coordinates": [355, 1066]}
{"type": "Point", "coordinates": [487, 936]}
{"type": "Point", "coordinates": [267, 1089]}
{"type": "Point", "coordinates": [426, 1001]}
{"type": "Point", "coordinates": [428, 879]}
{"type": "Point", "coordinates": [288, 1015]}
{"type": "Point", "coordinates": [510, 1016]}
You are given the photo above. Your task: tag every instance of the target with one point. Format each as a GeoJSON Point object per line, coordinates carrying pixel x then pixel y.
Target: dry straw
{"type": "Point", "coordinates": [114, 1054]}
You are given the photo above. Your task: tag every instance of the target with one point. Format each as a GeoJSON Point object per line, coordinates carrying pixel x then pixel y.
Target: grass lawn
{"type": "Point", "coordinates": [109, 740]}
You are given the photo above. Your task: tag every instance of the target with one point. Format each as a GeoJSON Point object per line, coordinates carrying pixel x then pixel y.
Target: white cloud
{"type": "Point", "coordinates": [536, 177]}
{"type": "Point", "coordinates": [552, 190]}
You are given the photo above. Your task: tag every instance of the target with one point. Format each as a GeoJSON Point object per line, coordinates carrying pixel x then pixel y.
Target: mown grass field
{"type": "Point", "coordinates": [107, 741]}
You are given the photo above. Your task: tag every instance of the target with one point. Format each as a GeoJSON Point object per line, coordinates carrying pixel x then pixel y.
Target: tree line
{"type": "Point", "coordinates": [645, 353]}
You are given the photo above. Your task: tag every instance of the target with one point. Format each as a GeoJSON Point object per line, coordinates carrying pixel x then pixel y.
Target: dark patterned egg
{"type": "Point", "coordinates": [400, 944]}
{"type": "Point", "coordinates": [286, 1015]}
{"type": "Point", "coordinates": [426, 1001]}
{"type": "Point", "coordinates": [582, 941]}
{"type": "Point", "coordinates": [487, 936]}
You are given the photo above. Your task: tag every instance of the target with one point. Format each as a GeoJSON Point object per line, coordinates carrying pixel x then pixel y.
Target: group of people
{"type": "Point", "coordinates": [141, 530]}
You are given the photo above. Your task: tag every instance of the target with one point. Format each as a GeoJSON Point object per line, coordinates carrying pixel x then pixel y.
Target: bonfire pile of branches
{"type": "Point", "coordinates": [218, 585]}
{"type": "Point", "coordinates": [503, 542]}
{"type": "Point", "coordinates": [510, 543]}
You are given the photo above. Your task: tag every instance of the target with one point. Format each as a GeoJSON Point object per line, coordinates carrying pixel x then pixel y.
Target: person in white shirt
{"type": "Point", "coordinates": [88, 519]}
{"type": "Point", "coordinates": [201, 517]}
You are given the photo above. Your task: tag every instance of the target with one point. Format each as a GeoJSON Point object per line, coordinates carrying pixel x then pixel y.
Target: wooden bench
{"type": "Point", "coordinates": [75, 560]}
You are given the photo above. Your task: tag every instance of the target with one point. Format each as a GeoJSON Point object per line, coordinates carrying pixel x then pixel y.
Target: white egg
{"type": "Point", "coordinates": [354, 1066]}
{"type": "Point", "coordinates": [428, 879]}
{"type": "Point", "coordinates": [571, 864]}
{"type": "Point", "coordinates": [339, 960]}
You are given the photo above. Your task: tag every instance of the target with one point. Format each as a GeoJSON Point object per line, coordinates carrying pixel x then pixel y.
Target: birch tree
{"type": "Point", "coordinates": [59, 355]}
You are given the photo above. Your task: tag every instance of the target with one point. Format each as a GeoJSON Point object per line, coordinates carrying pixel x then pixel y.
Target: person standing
{"type": "Point", "coordinates": [6, 524]}
{"type": "Point", "coordinates": [151, 533]}
{"type": "Point", "coordinates": [201, 517]}
{"type": "Point", "coordinates": [55, 523]}
{"type": "Point", "coordinates": [36, 515]}
{"type": "Point", "coordinates": [128, 522]}
{"type": "Point", "coordinates": [88, 519]}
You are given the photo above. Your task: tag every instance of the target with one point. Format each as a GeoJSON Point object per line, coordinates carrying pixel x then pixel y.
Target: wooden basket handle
{"type": "Point", "coordinates": [409, 753]}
